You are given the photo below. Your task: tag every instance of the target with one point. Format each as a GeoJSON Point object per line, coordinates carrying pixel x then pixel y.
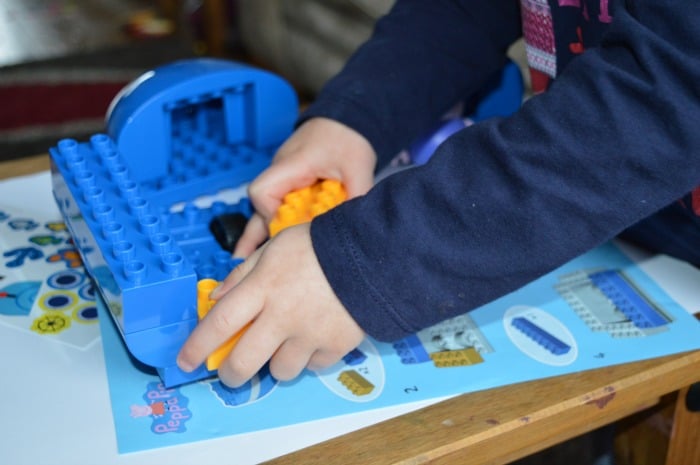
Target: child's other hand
{"type": "Point", "coordinates": [297, 321]}
{"type": "Point", "coordinates": [319, 149]}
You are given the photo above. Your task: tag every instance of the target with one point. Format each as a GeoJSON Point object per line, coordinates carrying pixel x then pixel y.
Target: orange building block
{"type": "Point", "coordinates": [298, 207]}
{"type": "Point", "coordinates": [302, 205]}
{"type": "Point", "coordinates": [204, 304]}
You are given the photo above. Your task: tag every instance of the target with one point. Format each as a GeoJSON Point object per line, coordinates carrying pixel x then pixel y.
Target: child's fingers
{"type": "Point", "coordinates": [254, 234]}
{"type": "Point", "coordinates": [264, 340]}
{"type": "Point", "coordinates": [290, 359]}
{"type": "Point", "coordinates": [269, 188]}
{"type": "Point", "coordinates": [236, 275]}
{"type": "Point", "coordinates": [322, 359]}
{"type": "Point", "coordinates": [231, 313]}
{"type": "Point", "coordinates": [358, 185]}
{"type": "Point", "coordinates": [244, 362]}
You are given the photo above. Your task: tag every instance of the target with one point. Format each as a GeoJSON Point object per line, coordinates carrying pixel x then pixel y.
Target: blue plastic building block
{"type": "Point", "coordinates": [201, 115]}
{"type": "Point", "coordinates": [179, 133]}
{"type": "Point", "coordinates": [540, 336]}
{"type": "Point", "coordinates": [627, 299]}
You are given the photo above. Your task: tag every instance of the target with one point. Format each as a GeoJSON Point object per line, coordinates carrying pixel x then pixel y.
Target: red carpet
{"type": "Point", "coordinates": [27, 106]}
{"type": "Point", "coordinates": [38, 107]}
{"type": "Point", "coordinates": [42, 102]}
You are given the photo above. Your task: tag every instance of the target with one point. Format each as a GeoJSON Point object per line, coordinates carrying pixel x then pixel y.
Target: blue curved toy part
{"type": "Point", "coordinates": [421, 150]}
{"type": "Point", "coordinates": [198, 106]}
{"type": "Point", "coordinates": [180, 133]}
{"type": "Point", "coordinates": [502, 97]}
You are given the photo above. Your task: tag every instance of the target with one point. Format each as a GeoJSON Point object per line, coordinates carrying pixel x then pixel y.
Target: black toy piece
{"type": "Point", "coordinates": [227, 229]}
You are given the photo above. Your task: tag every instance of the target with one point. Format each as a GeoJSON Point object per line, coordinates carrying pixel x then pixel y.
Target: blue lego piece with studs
{"type": "Point", "coordinates": [180, 133]}
{"type": "Point", "coordinates": [542, 337]}
{"type": "Point", "coordinates": [627, 299]}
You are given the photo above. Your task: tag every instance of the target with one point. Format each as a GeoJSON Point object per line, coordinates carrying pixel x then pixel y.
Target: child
{"type": "Point", "coordinates": [615, 139]}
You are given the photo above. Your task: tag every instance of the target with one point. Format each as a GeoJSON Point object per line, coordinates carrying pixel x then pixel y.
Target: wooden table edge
{"type": "Point", "coordinates": [24, 166]}
{"type": "Point", "coordinates": [503, 424]}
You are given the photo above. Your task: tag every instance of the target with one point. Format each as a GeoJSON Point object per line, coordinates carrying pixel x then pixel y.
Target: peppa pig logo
{"type": "Point", "coordinates": [166, 407]}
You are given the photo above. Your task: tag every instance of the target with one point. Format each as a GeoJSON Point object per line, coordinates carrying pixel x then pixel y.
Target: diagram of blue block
{"type": "Point", "coordinates": [542, 337]}
{"type": "Point", "coordinates": [453, 342]}
{"type": "Point", "coordinates": [354, 357]}
{"type": "Point", "coordinates": [608, 300]}
{"type": "Point", "coordinates": [627, 299]}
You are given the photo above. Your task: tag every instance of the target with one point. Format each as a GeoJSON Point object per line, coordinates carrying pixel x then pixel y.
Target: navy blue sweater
{"type": "Point", "coordinates": [615, 137]}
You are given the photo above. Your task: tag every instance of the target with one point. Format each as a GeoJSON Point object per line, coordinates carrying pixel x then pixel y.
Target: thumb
{"type": "Point", "coordinates": [358, 185]}
{"type": "Point", "coordinates": [253, 235]}
{"type": "Point", "coordinates": [269, 188]}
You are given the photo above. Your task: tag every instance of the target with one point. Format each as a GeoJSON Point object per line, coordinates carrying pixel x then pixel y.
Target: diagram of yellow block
{"type": "Point", "coordinates": [355, 382]}
{"type": "Point", "coordinates": [454, 358]}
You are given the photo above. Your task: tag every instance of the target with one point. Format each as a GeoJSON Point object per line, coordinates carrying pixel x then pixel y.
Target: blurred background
{"type": "Point", "coordinates": [62, 61]}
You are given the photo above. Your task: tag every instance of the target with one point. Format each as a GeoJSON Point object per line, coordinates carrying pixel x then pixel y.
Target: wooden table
{"type": "Point", "coordinates": [503, 424]}
{"type": "Point", "coordinates": [22, 166]}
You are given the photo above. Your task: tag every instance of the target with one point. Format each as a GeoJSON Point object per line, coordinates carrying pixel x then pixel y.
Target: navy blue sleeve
{"type": "Point", "coordinates": [501, 203]}
{"type": "Point", "coordinates": [423, 58]}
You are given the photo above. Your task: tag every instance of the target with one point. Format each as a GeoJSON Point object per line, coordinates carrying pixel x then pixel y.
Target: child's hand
{"type": "Point", "coordinates": [297, 321]}
{"type": "Point", "coordinates": [320, 149]}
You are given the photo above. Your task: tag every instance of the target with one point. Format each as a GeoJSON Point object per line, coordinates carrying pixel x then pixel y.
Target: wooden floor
{"type": "Point", "coordinates": [33, 30]}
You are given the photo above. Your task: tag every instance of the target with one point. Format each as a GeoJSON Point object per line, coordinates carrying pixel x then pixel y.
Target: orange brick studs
{"type": "Point", "coordinates": [302, 205]}
{"type": "Point", "coordinates": [204, 304]}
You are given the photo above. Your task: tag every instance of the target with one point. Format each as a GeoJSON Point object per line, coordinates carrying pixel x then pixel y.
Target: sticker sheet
{"type": "Point", "coordinates": [43, 287]}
